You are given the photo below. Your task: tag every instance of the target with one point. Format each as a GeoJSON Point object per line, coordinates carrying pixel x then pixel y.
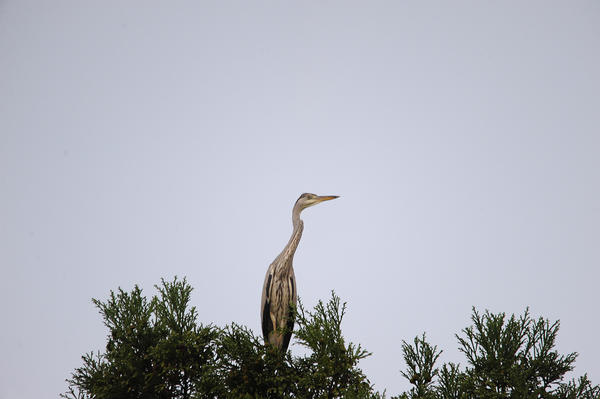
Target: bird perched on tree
{"type": "Point", "coordinates": [279, 288]}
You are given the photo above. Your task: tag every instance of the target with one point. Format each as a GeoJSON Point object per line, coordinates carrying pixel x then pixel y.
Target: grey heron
{"type": "Point", "coordinates": [279, 288]}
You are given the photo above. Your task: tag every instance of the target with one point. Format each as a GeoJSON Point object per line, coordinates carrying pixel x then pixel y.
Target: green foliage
{"type": "Point", "coordinates": [249, 369]}
{"type": "Point", "coordinates": [156, 349]}
{"type": "Point", "coordinates": [450, 382]}
{"type": "Point", "coordinates": [580, 388]}
{"type": "Point", "coordinates": [186, 352]}
{"type": "Point", "coordinates": [512, 357]}
{"type": "Point", "coordinates": [420, 360]}
{"type": "Point", "coordinates": [330, 371]}
{"type": "Point", "coordinates": [506, 358]}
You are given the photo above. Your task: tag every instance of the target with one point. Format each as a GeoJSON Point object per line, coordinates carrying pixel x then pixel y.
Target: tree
{"type": "Point", "coordinates": [506, 358]}
{"type": "Point", "coordinates": [450, 383]}
{"type": "Point", "coordinates": [249, 369]}
{"type": "Point", "coordinates": [420, 360]}
{"type": "Point", "coordinates": [330, 371]}
{"type": "Point", "coordinates": [156, 349]}
{"type": "Point", "coordinates": [580, 388]}
{"type": "Point", "coordinates": [512, 357]}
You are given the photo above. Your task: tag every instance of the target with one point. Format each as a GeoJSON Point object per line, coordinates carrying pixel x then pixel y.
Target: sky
{"type": "Point", "coordinates": [141, 140]}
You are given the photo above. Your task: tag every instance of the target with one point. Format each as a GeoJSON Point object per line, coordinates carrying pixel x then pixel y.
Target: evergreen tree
{"type": "Point", "coordinates": [506, 358]}
{"type": "Point", "coordinates": [156, 348]}
{"type": "Point", "coordinates": [331, 370]}
{"type": "Point", "coordinates": [512, 357]}
{"type": "Point", "coordinates": [420, 361]}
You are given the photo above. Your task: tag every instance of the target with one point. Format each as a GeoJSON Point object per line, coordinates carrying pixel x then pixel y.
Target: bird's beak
{"type": "Point", "coordinates": [322, 198]}
{"type": "Point", "coordinates": [318, 199]}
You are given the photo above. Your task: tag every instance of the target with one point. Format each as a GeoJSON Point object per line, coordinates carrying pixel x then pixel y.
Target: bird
{"type": "Point", "coordinates": [279, 289]}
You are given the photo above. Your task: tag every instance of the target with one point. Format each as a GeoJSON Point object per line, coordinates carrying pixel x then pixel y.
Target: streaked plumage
{"type": "Point", "coordinates": [279, 288]}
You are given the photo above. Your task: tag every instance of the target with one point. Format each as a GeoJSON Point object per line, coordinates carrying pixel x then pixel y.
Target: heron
{"type": "Point", "coordinates": [279, 288]}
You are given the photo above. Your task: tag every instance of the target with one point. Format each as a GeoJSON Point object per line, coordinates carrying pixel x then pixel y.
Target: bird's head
{"type": "Point", "coordinates": [308, 199]}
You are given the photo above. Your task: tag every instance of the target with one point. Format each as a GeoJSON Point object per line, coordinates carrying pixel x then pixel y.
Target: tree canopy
{"type": "Point", "coordinates": [157, 348]}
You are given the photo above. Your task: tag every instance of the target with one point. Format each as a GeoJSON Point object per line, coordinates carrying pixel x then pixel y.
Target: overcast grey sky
{"type": "Point", "coordinates": [141, 140]}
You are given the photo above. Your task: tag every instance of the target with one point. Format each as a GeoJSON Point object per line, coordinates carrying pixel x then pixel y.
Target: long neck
{"type": "Point", "coordinates": [290, 248]}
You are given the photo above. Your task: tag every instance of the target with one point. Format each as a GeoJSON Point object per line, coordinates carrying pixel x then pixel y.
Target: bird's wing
{"type": "Point", "coordinates": [267, 323]}
{"type": "Point", "coordinates": [291, 316]}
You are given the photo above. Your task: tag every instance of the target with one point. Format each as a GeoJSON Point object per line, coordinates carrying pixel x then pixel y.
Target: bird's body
{"type": "Point", "coordinates": [279, 289]}
{"type": "Point", "coordinates": [279, 292]}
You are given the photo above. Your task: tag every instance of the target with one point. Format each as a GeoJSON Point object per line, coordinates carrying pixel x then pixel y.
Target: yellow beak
{"type": "Point", "coordinates": [322, 198]}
